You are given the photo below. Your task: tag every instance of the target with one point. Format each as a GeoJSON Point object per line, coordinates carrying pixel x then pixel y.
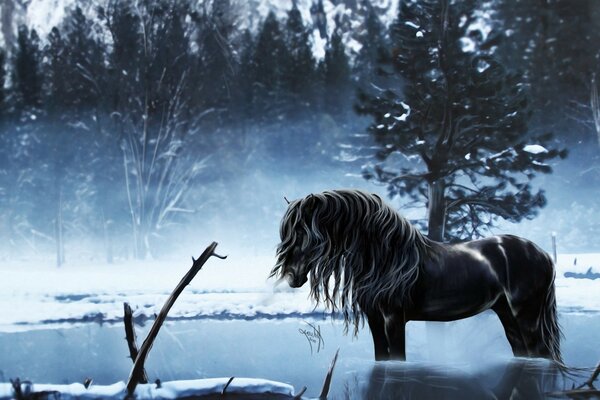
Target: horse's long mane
{"type": "Point", "coordinates": [372, 253]}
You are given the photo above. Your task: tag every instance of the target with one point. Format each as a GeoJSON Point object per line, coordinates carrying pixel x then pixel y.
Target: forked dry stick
{"type": "Point", "coordinates": [590, 382]}
{"type": "Point", "coordinates": [131, 338]}
{"type": "Point", "coordinates": [581, 392]}
{"type": "Point", "coordinates": [138, 366]}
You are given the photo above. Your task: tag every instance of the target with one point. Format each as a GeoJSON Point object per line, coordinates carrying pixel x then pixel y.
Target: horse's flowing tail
{"type": "Point", "coordinates": [551, 336]}
{"type": "Point", "coordinates": [551, 333]}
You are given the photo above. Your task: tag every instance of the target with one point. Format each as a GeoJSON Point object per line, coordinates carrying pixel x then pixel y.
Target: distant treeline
{"type": "Point", "coordinates": [107, 122]}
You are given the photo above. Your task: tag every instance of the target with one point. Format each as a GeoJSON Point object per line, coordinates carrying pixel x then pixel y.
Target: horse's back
{"type": "Point", "coordinates": [522, 267]}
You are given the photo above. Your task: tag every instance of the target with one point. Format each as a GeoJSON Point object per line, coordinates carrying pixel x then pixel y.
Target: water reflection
{"type": "Point", "coordinates": [475, 361]}
{"type": "Point", "coordinates": [517, 379]}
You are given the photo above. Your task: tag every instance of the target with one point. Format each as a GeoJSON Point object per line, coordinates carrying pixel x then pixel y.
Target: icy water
{"type": "Point", "coordinates": [470, 358]}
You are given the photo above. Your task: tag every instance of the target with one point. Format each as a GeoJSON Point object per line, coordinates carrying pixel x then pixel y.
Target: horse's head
{"type": "Point", "coordinates": [294, 268]}
{"type": "Point", "coordinates": [301, 242]}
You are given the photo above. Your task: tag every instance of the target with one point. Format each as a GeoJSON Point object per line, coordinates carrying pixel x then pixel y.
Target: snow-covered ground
{"type": "Point", "coordinates": [33, 296]}
{"type": "Point", "coordinates": [168, 390]}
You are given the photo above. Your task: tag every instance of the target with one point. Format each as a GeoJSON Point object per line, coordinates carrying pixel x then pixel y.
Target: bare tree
{"type": "Point", "coordinates": [151, 111]}
{"type": "Point", "coordinates": [595, 106]}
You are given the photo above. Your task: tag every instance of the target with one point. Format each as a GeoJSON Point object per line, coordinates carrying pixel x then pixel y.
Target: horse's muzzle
{"type": "Point", "coordinates": [296, 281]}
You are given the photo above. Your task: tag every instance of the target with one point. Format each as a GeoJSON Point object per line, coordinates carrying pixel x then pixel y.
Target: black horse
{"type": "Point", "coordinates": [364, 259]}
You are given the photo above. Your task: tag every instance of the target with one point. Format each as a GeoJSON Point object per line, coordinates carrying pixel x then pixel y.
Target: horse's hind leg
{"type": "Point", "coordinates": [377, 326]}
{"type": "Point", "coordinates": [528, 318]}
{"type": "Point", "coordinates": [511, 327]}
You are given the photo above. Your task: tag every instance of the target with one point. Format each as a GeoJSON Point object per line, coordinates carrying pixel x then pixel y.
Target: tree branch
{"type": "Point", "coordinates": [131, 339]}
{"type": "Point", "coordinates": [138, 367]}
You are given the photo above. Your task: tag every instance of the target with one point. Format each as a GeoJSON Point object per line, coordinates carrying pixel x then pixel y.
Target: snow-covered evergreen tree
{"type": "Point", "coordinates": [463, 116]}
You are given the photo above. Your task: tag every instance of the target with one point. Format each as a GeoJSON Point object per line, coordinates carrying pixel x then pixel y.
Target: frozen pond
{"type": "Point", "coordinates": [471, 358]}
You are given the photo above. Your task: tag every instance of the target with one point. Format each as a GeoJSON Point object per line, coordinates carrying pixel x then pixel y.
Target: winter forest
{"type": "Point", "coordinates": [134, 133]}
{"type": "Point", "coordinates": [128, 125]}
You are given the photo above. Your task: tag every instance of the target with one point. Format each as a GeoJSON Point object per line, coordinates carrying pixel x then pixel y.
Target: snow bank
{"type": "Point", "coordinates": [168, 390]}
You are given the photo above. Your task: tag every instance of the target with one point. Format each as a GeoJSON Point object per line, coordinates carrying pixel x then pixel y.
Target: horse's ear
{"type": "Point", "coordinates": [311, 202]}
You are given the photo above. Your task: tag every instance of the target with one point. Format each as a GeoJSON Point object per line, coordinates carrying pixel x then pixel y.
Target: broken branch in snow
{"type": "Point", "coordinates": [226, 386]}
{"type": "Point", "coordinates": [138, 366]}
{"type": "Point", "coordinates": [131, 338]}
{"type": "Point", "coordinates": [28, 393]}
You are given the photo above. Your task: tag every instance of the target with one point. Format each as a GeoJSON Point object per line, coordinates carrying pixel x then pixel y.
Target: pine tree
{"type": "Point", "coordinates": [28, 68]}
{"type": "Point", "coordinates": [299, 63]}
{"type": "Point", "coordinates": [75, 143]}
{"type": "Point", "coordinates": [463, 116]}
{"type": "Point", "coordinates": [3, 94]}
{"type": "Point", "coordinates": [217, 63]}
{"type": "Point", "coordinates": [269, 55]}
{"type": "Point", "coordinates": [555, 44]}
{"type": "Point", "coordinates": [337, 82]}
{"type": "Point", "coordinates": [243, 98]}
{"type": "Point", "coordinates": [372, 38]}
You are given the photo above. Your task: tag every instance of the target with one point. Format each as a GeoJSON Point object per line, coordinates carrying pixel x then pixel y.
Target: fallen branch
{"type": "Point", "coordinates": [28, 393]}
{"type": "Point", "coordinates": [590, 381]}
{"type": "Point", "coordinates": [581, 392]}
{"type": "Point", "coordinates": [131, 339]}
{"type": "Point", "coordinates": [576, 394]}
{"type": "Point", "coordinates": [138, 367]}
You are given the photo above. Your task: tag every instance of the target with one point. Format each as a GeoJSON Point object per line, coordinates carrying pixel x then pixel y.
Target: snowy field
{"type": "Point", "coordinates": [34, 296]}
{"type": "Point", "coordinates": [231, 321]}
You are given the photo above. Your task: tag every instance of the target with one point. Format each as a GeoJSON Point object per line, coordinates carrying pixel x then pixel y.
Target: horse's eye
{"type": "Point", "coordinates": [296, 254]}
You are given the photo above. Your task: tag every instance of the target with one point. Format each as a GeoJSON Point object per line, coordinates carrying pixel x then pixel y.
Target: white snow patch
{"type": "Point", "coordinates": [482, 65]}
{"type": "Point", "coordinates": [404, 116]}
{"type": "Point", "coordinates": [168, 390]}
{"type": "Point", "coordinates": [42, 15]}
{"type": "Point", "coordinates": [535, 149]}
{"type": "Point", "coordinates": [468, 45]}
{"type": "Point", "coordinates": [318, 45]}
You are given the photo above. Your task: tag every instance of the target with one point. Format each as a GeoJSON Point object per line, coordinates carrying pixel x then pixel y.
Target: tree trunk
{"type": "Point", "coordinates": [434, 334]}
{"type": "Point", "coordinates": [108, 246]}
{"type": "Point", "coordinates": [58, 231]}
{"type": "Point", "coordinates": [436, 210]}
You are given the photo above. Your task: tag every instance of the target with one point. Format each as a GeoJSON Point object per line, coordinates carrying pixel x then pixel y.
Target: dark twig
{"type": "Point", "coordinates": [16, 385]}
{"type": "Point", "coordinates": [300, 393]}
{"type": "Point", "coordinates": [576, 394]}
{"type": "Point", "coordinates": [131, 338]}
{"type": "Point", "coordinates": [226, 386]}
{"type": "Point", "coordinates": [138, 367]}
{"type": "Point", "coordinates": [580, 392]}
{"type": "Point", "coordinates": [327, 383]}
{"type": "Point", "coordinates": [87, 382]}
{"type": "Point", "coordinates": [590, 381]}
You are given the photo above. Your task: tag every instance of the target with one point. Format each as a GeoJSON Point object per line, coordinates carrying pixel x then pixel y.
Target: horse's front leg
{"type": "Point", "coordinates": [395, 329]}
{"type": "Point", "coordinates": [377, 326]}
